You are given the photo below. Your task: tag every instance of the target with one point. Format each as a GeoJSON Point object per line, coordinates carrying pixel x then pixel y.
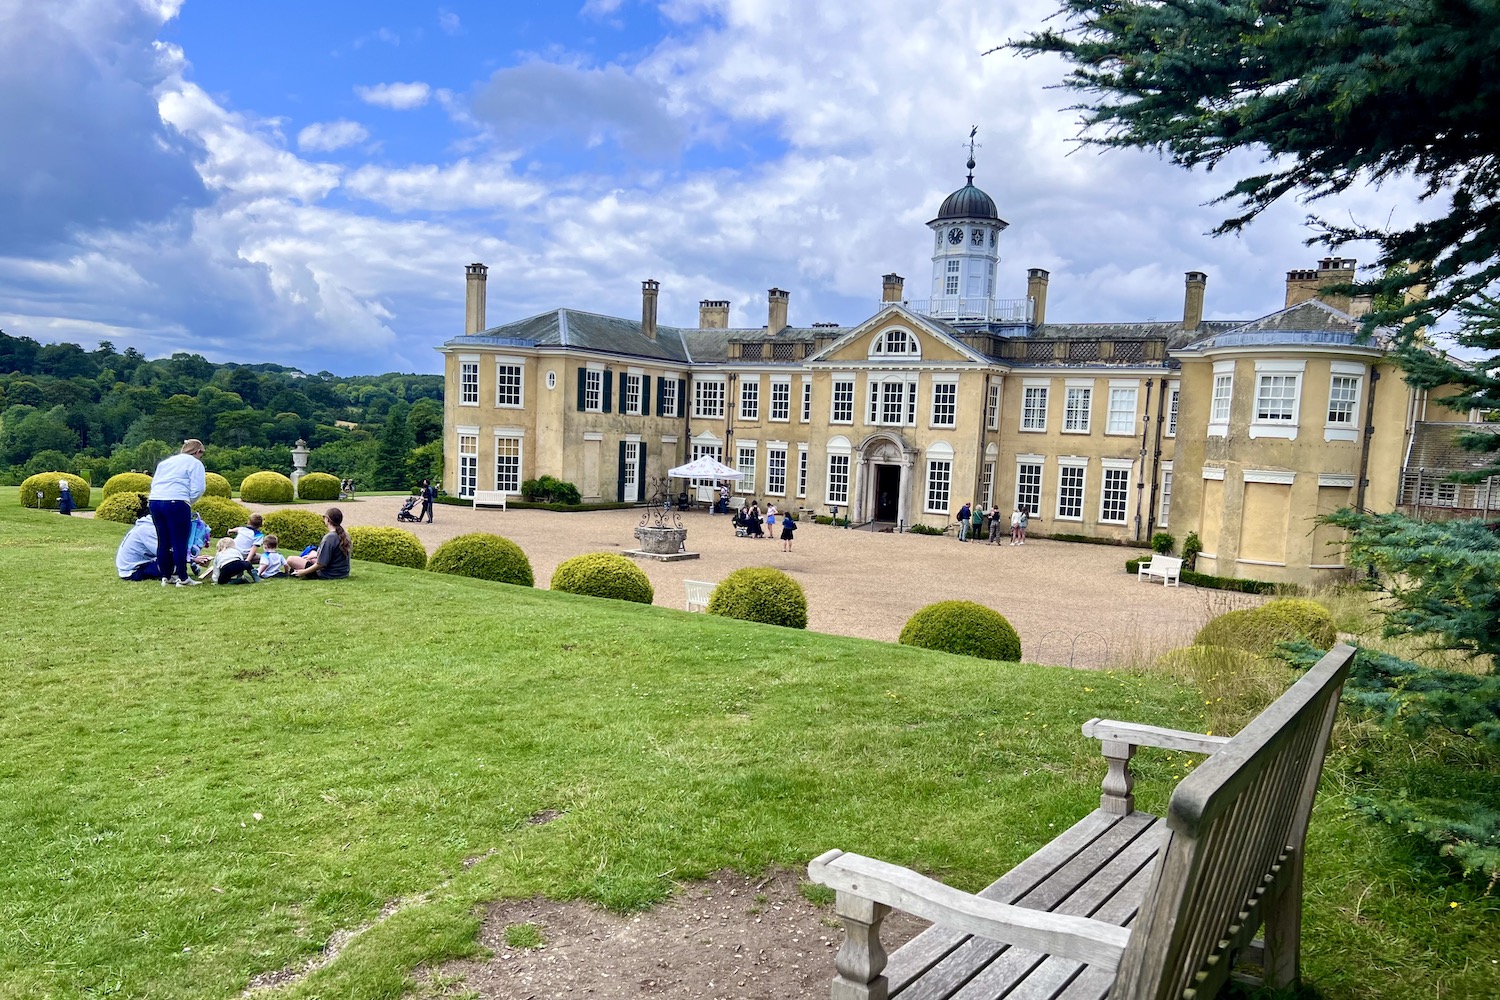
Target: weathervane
{"type": "Point", "coordinates": [972, 146]}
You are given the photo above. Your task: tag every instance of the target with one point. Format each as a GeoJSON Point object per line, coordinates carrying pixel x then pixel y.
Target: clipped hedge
{"type": "Point", "coordinates": [484, 557]}
{"type": "Point", "coordinates": [121, 507]}
{"type": "Point", "coordinates": [294, 529]}
{"type": "Point", "coordinates": [126, 482]}
{"type": "Point", "coordinates": [266, 487]}
{"type": "Point", "coordinates": [1216, 582]}
{"type": "Point", "coordinates": [603, 574]}
{"type": "Point", "coordinates": [1260, 630]}
{"type": "Point", "coordinates": [965, 628]}
{"type": "Point", "coordinates": [760, 594]}
{"type": "Point", "coordinates": [45, 483]}
{"type": "Point", "coordinates": [392, 546]}
{"type": "Point", "coordinates": [215, 485]}
{"type": "Point", "coordinates": [222, 516]}
{"type": "Point", "coordinates": [316, 486]}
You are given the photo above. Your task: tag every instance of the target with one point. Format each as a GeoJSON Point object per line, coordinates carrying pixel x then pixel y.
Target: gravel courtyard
{"type": "Point", "coordinates": [1069, 602]}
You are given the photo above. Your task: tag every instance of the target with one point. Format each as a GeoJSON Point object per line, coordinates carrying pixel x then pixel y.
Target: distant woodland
{"type": "Point", "coordinates": [96, 413]}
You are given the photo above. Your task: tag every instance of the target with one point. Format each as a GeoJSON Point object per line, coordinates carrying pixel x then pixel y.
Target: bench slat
{"type": "Point", "coordinates": [932, 945]}
{"type": "Point", "coordinates": [1085, 877]}
{"type": "Point", "coordinates": [1114, 895]}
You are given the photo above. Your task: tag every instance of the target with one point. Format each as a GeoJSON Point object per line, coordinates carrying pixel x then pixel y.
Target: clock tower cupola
{"type": "Point", "coordinates": [966, 249]}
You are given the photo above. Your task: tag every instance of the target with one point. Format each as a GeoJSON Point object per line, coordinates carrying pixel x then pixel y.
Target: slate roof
{"type": "Point", "coordinates": [1435, 447]}
{"type": "Point", "coordinates": [1310, 323]}
{"type": "Point", "coordinates": [612, 335]}
{"type": "Point", "coordinates": [1170, 330]}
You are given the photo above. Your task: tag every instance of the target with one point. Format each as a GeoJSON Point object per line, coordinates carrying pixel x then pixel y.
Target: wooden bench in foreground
{"type": "Point", "coordinates": [1169, 568]}
{"type": "Point", "coordinates": [489, 498]}
{"type": "Point", "coordinates": [1122, 905]}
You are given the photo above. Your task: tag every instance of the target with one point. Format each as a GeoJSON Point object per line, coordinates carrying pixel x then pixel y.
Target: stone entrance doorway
{"type": "Point", "coordinates": [887, 492]}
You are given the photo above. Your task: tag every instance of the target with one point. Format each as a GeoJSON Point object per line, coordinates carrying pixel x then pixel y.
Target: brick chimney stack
{"type": "Point", "coordinates": [1192, 300]}
{"type": "Point", "coordinates": [713, 314]}
{"type": "Point", "coordinates": [1306, 283]}
{"type": "Point", "coordinates": [893, 288]}
{"type": "Point", "coordinates": [477, 276]}
{"type": "Point", "coordinates": [649, 289]}
{"type": "Point", "coordinates": [776, 317]}
{"type": "Point", "coordinates": [1036, 291]}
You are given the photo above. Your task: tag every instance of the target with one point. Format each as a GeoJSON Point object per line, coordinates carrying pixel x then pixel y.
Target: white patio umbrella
{"type": "Point", "coordinates": [704, 467]}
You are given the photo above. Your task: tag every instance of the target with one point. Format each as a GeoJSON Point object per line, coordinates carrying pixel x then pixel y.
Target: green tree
{"type": "Point", "coordinates": [426, 421]}
{"type": "Point", "coordinates": [1443, 577]}
{"type": "Point", "coordinates": [28, 431]}
{"type": "Point", "coordinates": [393, 453]}
{"type": "Point", "coordinates": [1331, 93]}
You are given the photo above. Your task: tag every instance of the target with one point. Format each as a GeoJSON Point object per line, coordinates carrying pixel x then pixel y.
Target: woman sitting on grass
{"type": "Point", "coordinates": [331, 561]}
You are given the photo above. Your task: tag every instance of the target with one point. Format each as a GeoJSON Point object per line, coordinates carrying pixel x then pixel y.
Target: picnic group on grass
{"type": "Point", "coordinates": [168, 538]}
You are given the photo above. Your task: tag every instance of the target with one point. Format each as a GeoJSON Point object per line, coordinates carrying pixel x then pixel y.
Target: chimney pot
{"type": "Point", "coordinates": [892, 289]}
{"type": "Point", "coordinates": [713, 314]}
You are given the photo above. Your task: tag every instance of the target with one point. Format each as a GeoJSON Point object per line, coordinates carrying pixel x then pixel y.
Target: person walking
{"type": "Point", "coordinates": [788, 529]}
{"type": "Point", "coordinates": [1015, 525]}
{"type": "Point", "coordinates": [429, 494]}
{"type": "Point", "coordinates": [976, 530]}
{"type": "Point", "coordinates": [178, 482]}
{"type": "Point", "coordinates": [963, 522]}
{"type": "Point", "coordinates": [994, 519]}
{"type": "Point", "coordinates": [1025, 520]}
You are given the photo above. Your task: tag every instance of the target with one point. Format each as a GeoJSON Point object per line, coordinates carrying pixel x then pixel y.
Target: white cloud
{"type": "Point", "coordinates": [449, 22]}
{"type": "Point", "coordinates": [324, 137]}
{"type": "Point", "coordinates": [397, 96]}
{"type": "Point", "coordinates": [600, 8]}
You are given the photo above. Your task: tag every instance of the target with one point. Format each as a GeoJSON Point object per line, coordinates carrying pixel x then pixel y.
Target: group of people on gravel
{"type": "Point", "coordinates": [973, 519]}
{"type": "Point", "coordinates": [748, 523]}
{"type": "Point", "coordinates": [168, 539]}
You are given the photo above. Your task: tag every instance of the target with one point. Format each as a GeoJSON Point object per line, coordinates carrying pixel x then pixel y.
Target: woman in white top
{"type": "Point", "coordinates": [176, 484]}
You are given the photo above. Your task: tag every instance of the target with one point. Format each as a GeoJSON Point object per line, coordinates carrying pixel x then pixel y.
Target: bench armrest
{"type": "Point", "coordinates": [1079, 938]}
{"type": "Point", "coordinates": [1110, 731]}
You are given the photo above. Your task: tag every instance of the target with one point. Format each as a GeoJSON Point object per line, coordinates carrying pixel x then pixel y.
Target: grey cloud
{"type": "Point", "coordinates": [542, 100]}
{"type": "Point", "coordinates": [84, 145]}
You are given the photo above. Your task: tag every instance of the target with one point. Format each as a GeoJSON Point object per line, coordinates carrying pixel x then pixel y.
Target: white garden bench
{"type": "Point", "coordinates": [1123, 904]}
{"type": "Point", "coordinates": [1169, 568]}
{"type": "Point", "coordinates": [489, 498]}
{"type": "Point", "coordinates": [698, 593]}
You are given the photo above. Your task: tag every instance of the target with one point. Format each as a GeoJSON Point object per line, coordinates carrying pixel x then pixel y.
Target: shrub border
{"type": "Point", "coordinates": [1224, 582]}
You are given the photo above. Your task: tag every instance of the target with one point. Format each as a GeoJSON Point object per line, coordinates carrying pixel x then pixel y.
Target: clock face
{"type": "Point", "coordinates": [955, 236]}
{"type": "Point", "coordinates": [977, 237]}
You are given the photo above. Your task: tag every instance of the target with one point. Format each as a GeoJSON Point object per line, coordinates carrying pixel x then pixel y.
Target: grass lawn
{"type": "Point", "coordinates": [204, 784]}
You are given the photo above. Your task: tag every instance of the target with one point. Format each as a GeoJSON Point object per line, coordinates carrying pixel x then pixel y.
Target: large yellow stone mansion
{"type": "Point", "coordinates": [1240, 431]}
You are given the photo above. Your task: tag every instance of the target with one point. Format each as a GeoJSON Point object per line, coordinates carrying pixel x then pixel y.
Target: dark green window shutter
{"type": "Point", "coordinates": [661, 395]}
{"type": "Point", "coordinates": [608, 383]}
{"type": "Point", "coordinates": [645, 395]}
{"type": "Point", "coordinates": [582, 381]}
{"type": "Point", "coordinates": [682, 397]}
{"type": "Point", "coordinates": [620, 477]}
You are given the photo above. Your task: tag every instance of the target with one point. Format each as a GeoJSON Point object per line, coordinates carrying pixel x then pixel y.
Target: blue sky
{"type": "Point", "coordinates": [303, 183]}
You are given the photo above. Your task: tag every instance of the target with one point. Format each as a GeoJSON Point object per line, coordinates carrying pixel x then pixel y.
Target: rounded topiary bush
{"type": "Point", "coordinates": [266, 487]}
{"type": "Point", "coordinates": [121, 507]}
{"type": "Point", "coordinates": [1303, 619]}
{"type": "Point", "coordinates": [483, 557]}
{"type": "Point", "coordinates": [965, 628]}
{"type": "Point", "coordinates": [45, 483]}
{"type": "Point", "coordinates": [316, 486]}
{"type": "Point", "coordinates": [603, 574]}
{"type": "Point", "coordinates": [1259, 630]}
{"type": "Point", "coordinates": [294, 529]}
{"type": "Point", "coordinates": [222, 516]}
{"type": "Point", "coordinates": [392, 546]}
{"type": "Point", "coordinates": [126, 482]}
{"type": "Point", "coordinates": [215, 485]}
{"type": "Point", "coordinates": [760, 594]}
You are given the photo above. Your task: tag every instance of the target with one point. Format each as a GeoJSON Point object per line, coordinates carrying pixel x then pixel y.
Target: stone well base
{"type": "Point", "coordinates": [659, 556]}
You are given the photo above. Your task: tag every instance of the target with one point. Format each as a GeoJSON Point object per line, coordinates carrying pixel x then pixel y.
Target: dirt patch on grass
{"type": "Point", "coordinates": [729, 937]}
